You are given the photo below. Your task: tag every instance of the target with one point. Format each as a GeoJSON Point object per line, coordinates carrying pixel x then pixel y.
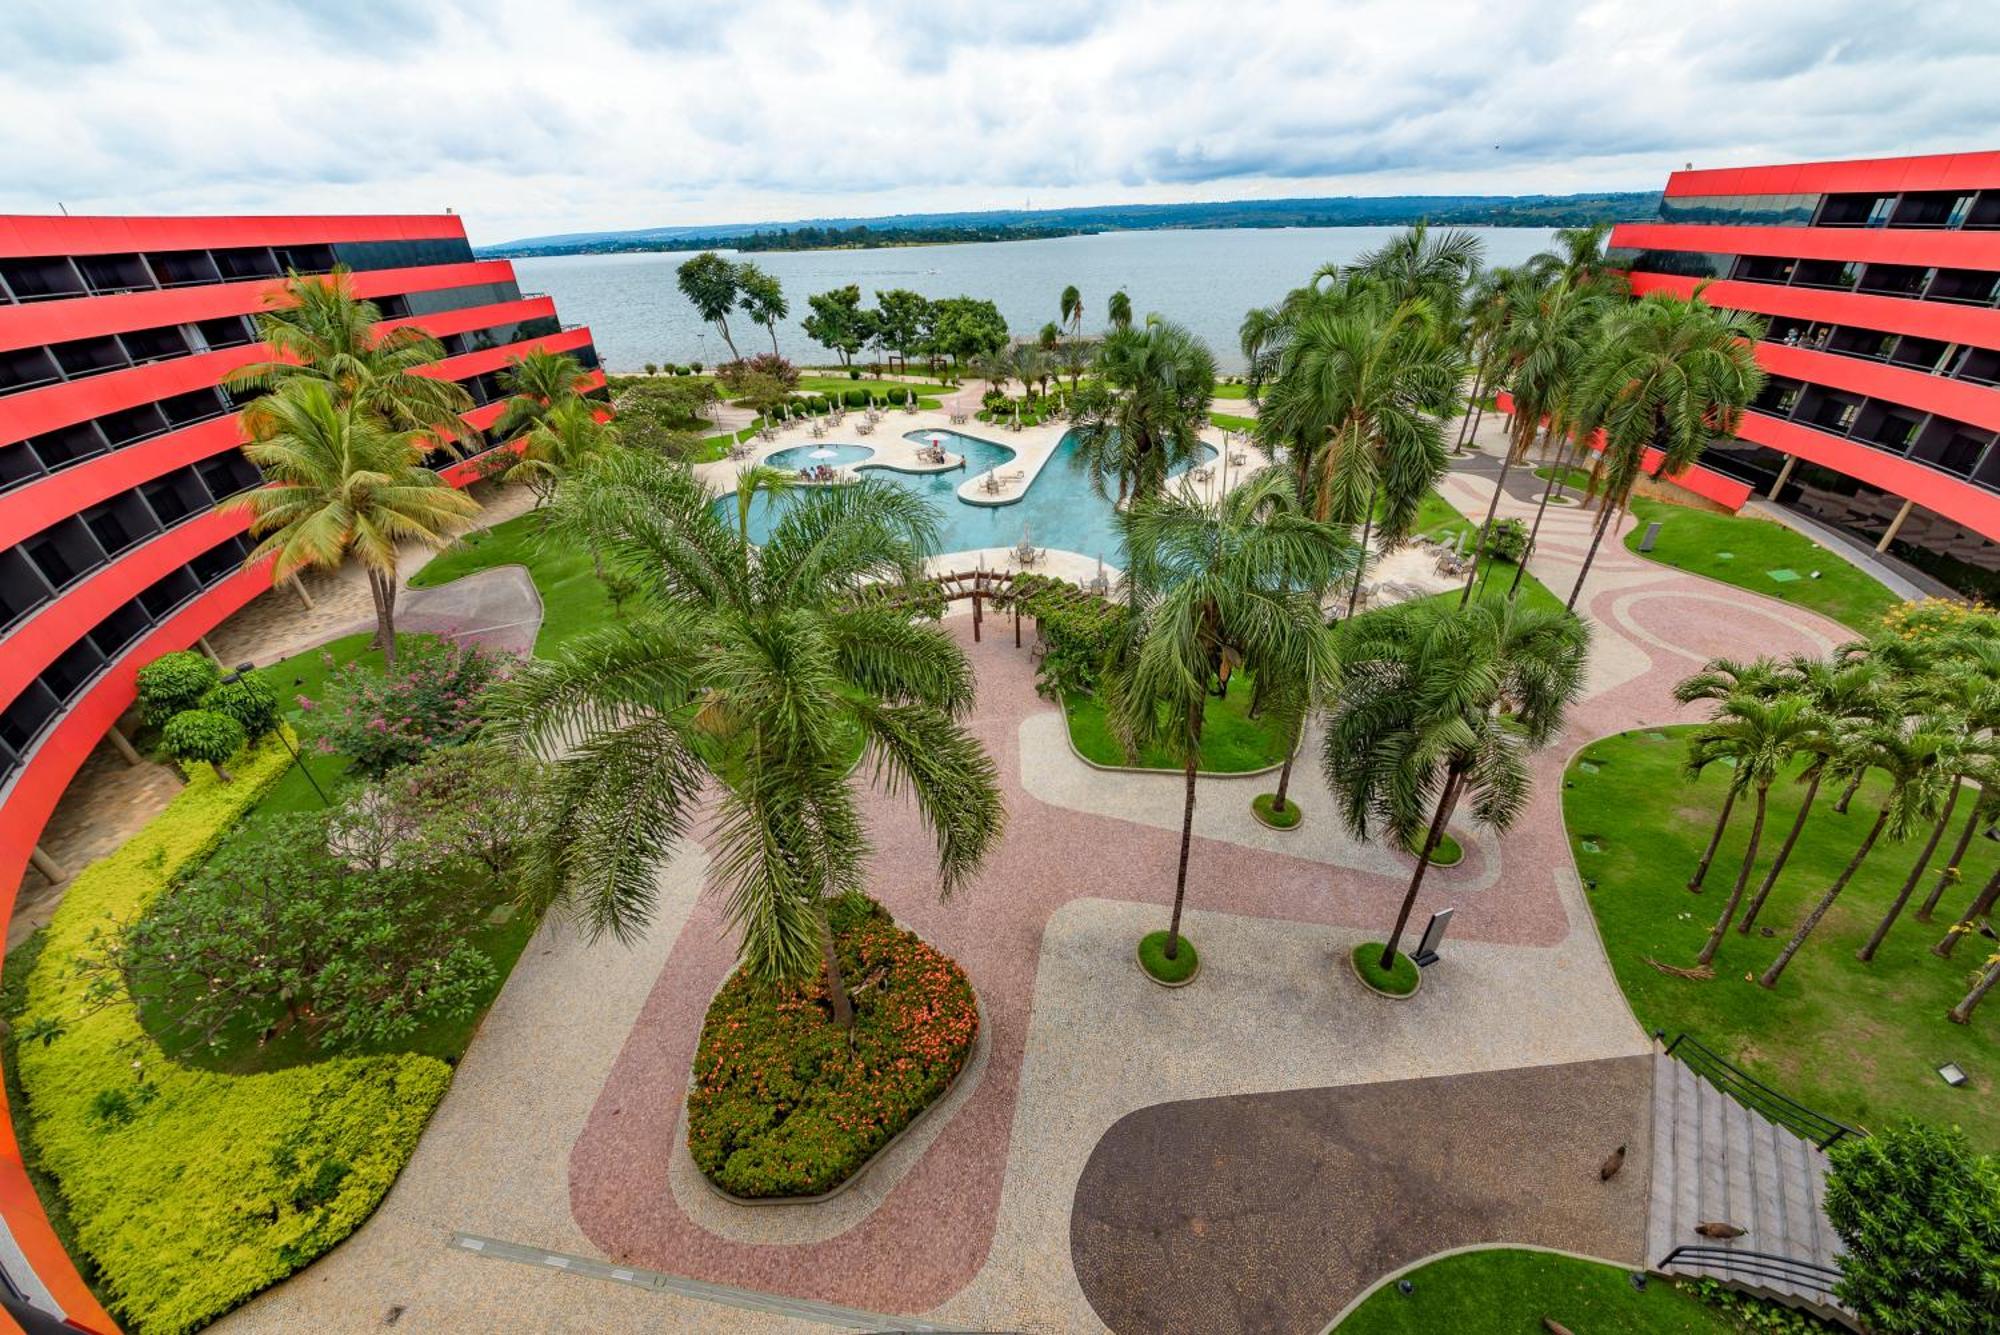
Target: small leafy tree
{"type": "Point", "coordinates": [276, 929]}
{"type": "Point", "coordinates": [434, 698]}
{"type": "Point", "coordinates": [1918, 1214]}
{"type": "Point", "coordinates": [205, 736]}
{"type": "Point", "coordinates": [652, 368]}
{"type": "Point", "coordinates": [247, 700]}
{"type": "Point", "coordinates": [174, 682]}
{"type": "Point", "coordinates": [710, 283]}
{"type": "Point", "coordinates": [839, 323]}
{"type": "Point", "coordinates": [459, 806]}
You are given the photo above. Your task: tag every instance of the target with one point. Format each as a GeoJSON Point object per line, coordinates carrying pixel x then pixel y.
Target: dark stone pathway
{"type": "Point", "coordinates": [1271, 1212]}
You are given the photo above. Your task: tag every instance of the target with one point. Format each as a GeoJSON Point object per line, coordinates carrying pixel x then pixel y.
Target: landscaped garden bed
{"type": "Point", "coordinates": [1232, 741]}
{"type": "Point", "coordinates": [1861, 1043]}
{"type": "Point", "coordinates": [786, 1104]}
{"type": "Point", "coordinates": [1400, 979]}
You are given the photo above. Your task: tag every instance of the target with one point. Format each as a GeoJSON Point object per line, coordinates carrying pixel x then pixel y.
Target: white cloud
{"type": "Point", "coordinates": [534, 116]}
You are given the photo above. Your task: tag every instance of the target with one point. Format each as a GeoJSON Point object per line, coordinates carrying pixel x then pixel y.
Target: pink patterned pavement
{"type": "Point", "coordinates": [933, 1230]}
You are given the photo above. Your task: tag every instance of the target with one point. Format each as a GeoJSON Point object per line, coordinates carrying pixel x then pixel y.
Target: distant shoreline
{"type": "Point", "coordinates": [972, 229]}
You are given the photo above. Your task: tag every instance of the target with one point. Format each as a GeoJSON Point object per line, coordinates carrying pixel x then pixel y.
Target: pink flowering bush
{"type": "Point", "coordinates": [783, 1104]}
{"type": "Point", "coordinates": [434, 697]}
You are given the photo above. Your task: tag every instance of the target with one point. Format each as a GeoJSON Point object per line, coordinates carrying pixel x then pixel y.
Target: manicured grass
{"type": "Point", "coordinates": [1400, 979]}
{"type": "Point", "coordinates": [1261, 806]}
{"type": "Point", "coordinates": [1857, 1042]}
{"type": "Point", "coordinates": [1578, 478]}
{"type": "Point", "coordinates": [1502, 1292]}
{"type": "Point", "coordinates": [574, 599]}
{"type": "Point", "coordinates": [1232, 422]}
{"type": "Point", "coordinates": [1153, 958]}
{"type": "Point", "coordinates": [1440, 521]}
{"type": "Point", "coordinates": [1232, 392]}
{"type": "Point", "coordinates": [1697, 540]}
{"type": "Point", "coordinates": [1446, 854]}
{"type": "Point", "coordinates": [927, 394]}
{"type": "Point", "coordinates": [1231, 741]}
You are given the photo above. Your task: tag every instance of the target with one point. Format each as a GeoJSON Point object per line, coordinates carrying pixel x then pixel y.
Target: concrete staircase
{"type": "Point", "coordinates": [1716, 1160]}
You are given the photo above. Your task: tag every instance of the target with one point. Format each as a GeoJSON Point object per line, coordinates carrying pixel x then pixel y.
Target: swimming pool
{"type": "Point", "coordinates": [1060, 510]}
{"type": "Point", "coordinates": [800, 456]}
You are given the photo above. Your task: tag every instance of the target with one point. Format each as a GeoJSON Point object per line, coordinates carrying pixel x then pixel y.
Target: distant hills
{"type": "Point", "coordinates": [907, 229]}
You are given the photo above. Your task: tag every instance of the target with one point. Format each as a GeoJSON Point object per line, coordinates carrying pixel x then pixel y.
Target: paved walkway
{"type": "Point", "coordinates": [561, 1129]}
{"type": "Point", "coordinates": [1272, 1212]}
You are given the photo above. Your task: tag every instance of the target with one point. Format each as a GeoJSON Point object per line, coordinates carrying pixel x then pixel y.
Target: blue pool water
{"type": "Point", "coordinates": [800, 456]}
{"type": "Point", "coordinates": [1060, 509]}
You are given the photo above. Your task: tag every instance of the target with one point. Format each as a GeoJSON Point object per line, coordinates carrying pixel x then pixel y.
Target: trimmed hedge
{"type": "Point", "coordinates": [782, 1104]}
{"type": "Point", "coordinates": [191, 1191]}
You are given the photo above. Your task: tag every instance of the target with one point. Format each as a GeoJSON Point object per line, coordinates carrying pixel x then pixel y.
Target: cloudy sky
{"type": "Point", "coordinates": [537, 116]}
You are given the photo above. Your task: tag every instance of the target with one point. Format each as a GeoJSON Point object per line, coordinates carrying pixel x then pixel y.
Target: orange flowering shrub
{"type": "Point", "coordinates": [783, 1104]}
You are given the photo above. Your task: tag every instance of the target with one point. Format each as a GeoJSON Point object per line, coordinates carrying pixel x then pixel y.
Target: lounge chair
{"type": "Point", "coordinates": [1202, 474]}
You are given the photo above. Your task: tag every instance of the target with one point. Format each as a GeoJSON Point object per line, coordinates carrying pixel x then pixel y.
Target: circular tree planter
{"type": "Point", "coordinates": [1178, 972]}
{"type": "Point", "coordinates": [1399, 984]}
{"type": "Point", "coordinates": [1260, 807]}
{"type": "Point", "coordinates": [1448, 853]}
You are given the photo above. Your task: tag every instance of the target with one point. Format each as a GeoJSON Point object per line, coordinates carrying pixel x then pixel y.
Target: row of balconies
{"type": "Point", "coordinates": [1909, 282]}
{"type": "Point", "coordinates": [1932, 209]}
{"type": "Point", "coordinates": [55, 277]}
{"type": "Point", "coordinates": [1936, 441]}
{"type": "Point", "coordinates": [37, 708]}
{"type": "Point", "coordinates": [1931, 356]}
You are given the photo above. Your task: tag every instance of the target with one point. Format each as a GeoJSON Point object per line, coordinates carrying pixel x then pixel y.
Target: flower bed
{"type": "Point", "coordinates": [782, 1106]}
{"type": "Point", "coordinates": [192, 1190]}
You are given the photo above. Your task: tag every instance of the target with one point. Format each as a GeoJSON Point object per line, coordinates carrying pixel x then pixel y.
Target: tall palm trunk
{"type": "Point", "coordinates": [1285, 771]}
{"type": "Point", "coordinates": [1361, 552]}
{"type": "Point", "coordinates": [1605, 515]}
{"type": "Point", "coordinates": [1466, 428]}
{"type": "Point", "coordinates": [1187, 843]}
{"type": "Point", "coordinates": [382, 591]}
{"type": "Point", "coordinates": [1965, 926]}
{"type": "Point", "coordinates": [1742, 881]}
{"type": "Point", "coordinates": [1770, 975]}
{"type": "Point", "coordinates": [1714, 841]}
{"type": "Point", "coordinates": [1962, 1012]}
{"type": "Point", "coordinates": [1778, 863]}
{"type": "Point", "coordinates": [1847, 793]}
{"type": "Point", "coordinates": [1486, 529]}
{"type": "Point", "coordinates": [1881, 933]}
{"type": "Point", "coordinates": [1447, 801]}
{"type": "Point", "coordinates": [836, 985]}
{"type": "Point", "coordinates": [1957, 859]}
{"type": "Point", "coordinates": [1535, 530]}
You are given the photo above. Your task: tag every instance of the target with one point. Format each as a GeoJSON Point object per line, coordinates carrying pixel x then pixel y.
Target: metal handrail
{"type": "Point", "coordinates": [1758, 1265]}
{"type": "Point", "coordinates": [1748, 1090]}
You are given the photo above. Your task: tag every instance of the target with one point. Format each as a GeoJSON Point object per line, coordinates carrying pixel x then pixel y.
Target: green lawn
{"type": "Point", "coordinates": [1578, 478]}
{"type": "Point", "coordinates": [1440, 521]}
{"type": "Point", "coordinates": [1231, 392]}
{"type": "Point", "coordinates": [1743, 550]}
{"type": "Point", "coordinates": [927, 394]}
{"type": "Point", "coordinates": [574, 599]}
{"type": "Point", "coordinates": [1231, 422]}
{"type": "Point", "coordinates": [1231, 741]}
{"type": "Point", "coordinates": [1507, 1292]}
{"type": "Point", "coordinates": [1858, 1042]}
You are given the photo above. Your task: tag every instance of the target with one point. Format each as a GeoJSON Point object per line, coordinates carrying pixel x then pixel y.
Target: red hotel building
{"type": "Point", "coordinates": [117, 440]}
{"type": "Point", "coordinates": [1880, 282]}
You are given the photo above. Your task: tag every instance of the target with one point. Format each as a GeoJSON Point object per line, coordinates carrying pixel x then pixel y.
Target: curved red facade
{"type": "Point", "coordinates": [1879, 281]}
{"type": "Point", "coordinates": [117, 441]}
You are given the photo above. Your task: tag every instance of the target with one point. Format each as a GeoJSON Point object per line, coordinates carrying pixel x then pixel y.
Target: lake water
{"type": "Point", "coordinates": [1059, 510]}
{"type": "Point", "coordinates": [1204, 279]}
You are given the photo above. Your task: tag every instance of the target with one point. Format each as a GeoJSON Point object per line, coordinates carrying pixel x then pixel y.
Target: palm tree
{"type": "Point", "coordinates": [1981, 905]}
{"type": "Point", "coordinates": [1234, 580]}
{"type": "Point", "coordinates": [317, 329]}
{"type": "Point", "coordinates": [996, 368]}
{"type": "Point", "coordinates": [1549, 338]}
{"type": "Point", "coordinates": [342, 485]}
{"type": "Point", "coordinates": [1977, 693]}
{"type": "Point", "coordinates": [1488, 306]}
{"type": "Point", "coordinates": [772, 482]}
{"type": "Point", "coordinates": [1072, 311]}
{"type": "Point", "coordinates": [1422, 719]}
{"type": "Point", "coordinates": [1720, 680]}
{"type": "Point", "coordinates": [538, 381]}
{"type": "Point", "coordinates": [1075, 355]}
{"type": "Point", "coordinates": [1969, 757]}
{"type": "Point", "coordinates": [566, 439]}
{"type": "Point", "coordinates": [1916, 754]}
{"type": "Point", "coordinates": [1761, 737]}
{"type": "Point", "coordinates": [1119, 310]}
{"type": "Point", "coordinates": [1421, 265]}
{"type": "Point", "coordinates": [747, 674]}
{"type": "Point", "coordinates": [1981, 985]}
{"type": "Point", "coordinates": [1360, 406]}
{"type": "Point", "coordinates": [1670, 374]}
{"type": "Point", "coordinates": [1262, 337]}
{"type": "Point", "coordinates": [1143, 418]}
{"type": "Point", "coordinates": [1847, 696]}
{"type": "Point", "coordinates": [1578, 258]}
{"type": "Point", "coordinates": [1032, 366]}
